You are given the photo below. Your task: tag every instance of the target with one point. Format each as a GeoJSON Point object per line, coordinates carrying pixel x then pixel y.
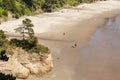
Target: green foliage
{"type": "Point", "coordinates": [72, 2]}
{"type": "Point", "coordinates": [36, 49]}
{"type": "Point", "coordinates": [15, 42]}
{"type": "Point", "coordinates": [27, 23]}
{"type": "Point", "coordinates": [26, 28]}
{"type": "Point", "coordinates": [5, 13]}
{"type": "Point", "coordinates": [87, 1]}
{"type": "Point", "coordinates": [25, 44]}
{"type": "Point", "coordinates": [20, 43]}
{"type": "Point", "coordinates": [2, 51]}
{"type": "Point", "coordinates": [7, 77]}
{"type": "Point", "coordinates": [31, 42]}
{"type": "Point", "coordinates": [27, 7]}
{"type": "Point", "coordinates": [3, 55]}
{"type": "Point", "coordinates": [2, 38]}
{"type": "Point", "coordinates": [40, 48]}
{"type": "Point", "coordinates": [29, 45]}
{"type": "Point", "coordinates": [44, 49]}
{"type": "Point", "coordinates": [50, 5]}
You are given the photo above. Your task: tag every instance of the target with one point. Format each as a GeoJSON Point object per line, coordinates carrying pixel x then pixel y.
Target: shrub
{"type": "Point", "coordinates": [44, 49]}
{"type": "Point", "coordinates": [3, 55]}
{"type": "Point", "coordinates": [40, 49]}
{"type": "Point", "coordinates": [2, 38]}
{"type": "Point", "coordinates": [5, 13]}
{"type": "Point", "coordinates": [25, 44]}
{"type": "Point", "coordinates": [14, 42]}
{"type": "Point", "coordinates": [36, 49]}
{"type": "Point", "coordinates": [4, 18]}
{"type": "Point", "coordinates": [29, 45]}
{"type": "Point", "coordinates": [33, 41]}
{"type": "Point", "coordinates": [17, 16]}
{"type": "Point", "coordinates": [7, 77]}
{"type": "Point", "coordinates": [72, 2]}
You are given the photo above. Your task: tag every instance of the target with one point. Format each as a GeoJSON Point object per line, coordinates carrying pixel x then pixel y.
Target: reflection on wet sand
{"type": "Point", "coordinates": [100, 58]}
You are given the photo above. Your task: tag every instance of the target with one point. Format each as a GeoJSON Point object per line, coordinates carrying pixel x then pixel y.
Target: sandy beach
{"type": "Point", "coordinates": [65, 19]}
{"type": "Point", "coordinates": [63, 29]}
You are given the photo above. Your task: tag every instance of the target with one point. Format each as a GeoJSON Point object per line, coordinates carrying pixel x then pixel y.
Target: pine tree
{"type": "Point", "coordinates": [26, 29]}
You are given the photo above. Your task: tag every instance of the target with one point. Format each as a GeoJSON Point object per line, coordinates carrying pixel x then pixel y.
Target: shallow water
{"type": "Point", "coordinates": [100, 58]}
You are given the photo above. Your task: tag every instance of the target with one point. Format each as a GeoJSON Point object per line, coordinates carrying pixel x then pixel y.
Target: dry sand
{"type": "Point", "coordinates": [61, 30]}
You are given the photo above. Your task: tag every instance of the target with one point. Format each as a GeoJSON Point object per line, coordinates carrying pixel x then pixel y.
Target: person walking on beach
{"type": "Point", "coordinates": [75, 45]}
{"type": "Point", "coordinates": [64, 33]}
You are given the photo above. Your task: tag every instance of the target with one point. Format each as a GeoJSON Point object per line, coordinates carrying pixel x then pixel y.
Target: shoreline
{"type": "Point", "coordinates": [46, 22]}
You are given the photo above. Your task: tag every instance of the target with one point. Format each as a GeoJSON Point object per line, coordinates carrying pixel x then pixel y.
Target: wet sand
{"type": "Point", "coordinates": [99, 59]}
{"type": "Point", "coordinates": [87, 61]}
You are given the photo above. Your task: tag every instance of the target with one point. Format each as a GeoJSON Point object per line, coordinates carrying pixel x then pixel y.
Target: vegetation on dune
{"type": "Point", "coordinates": [27, 7]}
